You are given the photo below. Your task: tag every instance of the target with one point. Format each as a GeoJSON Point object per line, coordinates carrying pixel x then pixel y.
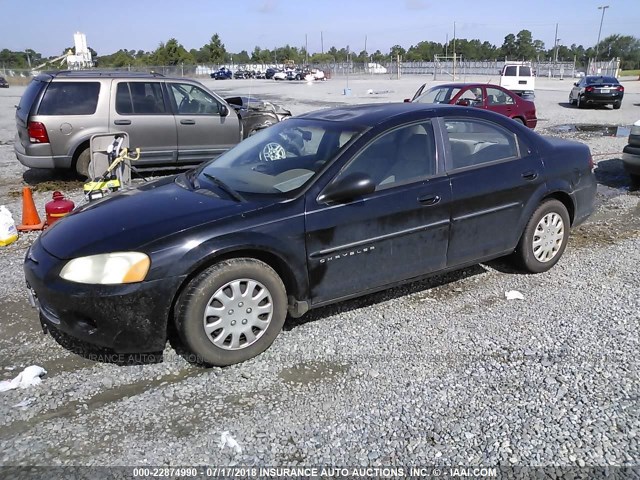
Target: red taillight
{"type": "Point", "coordinates": [591, 165]}
{"type": "Point", "coordinates": [38, 133]}
{"type": "Point", "coordinates": [620, 88]}
{"type": "Point", "coordinates": [588, 89]}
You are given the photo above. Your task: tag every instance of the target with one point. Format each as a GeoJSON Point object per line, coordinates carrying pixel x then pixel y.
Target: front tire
{"type": "Point", "coordinates": [231, 312]}
{"type": "Point", "coordinates": [544, 238]}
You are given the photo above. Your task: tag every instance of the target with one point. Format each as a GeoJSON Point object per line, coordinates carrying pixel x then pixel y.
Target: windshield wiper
{"type": "Point", "coordinates": [235, 195]}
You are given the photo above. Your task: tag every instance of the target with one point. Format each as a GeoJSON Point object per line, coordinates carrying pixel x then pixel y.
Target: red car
{"type": "Point", "coordinates": [481, 95]}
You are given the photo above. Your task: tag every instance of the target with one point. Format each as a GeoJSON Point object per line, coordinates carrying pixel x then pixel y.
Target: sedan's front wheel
{"type": "Point", "coordinates": [545, 237]}
{"type": "Point", "coordinates": [231, 312]}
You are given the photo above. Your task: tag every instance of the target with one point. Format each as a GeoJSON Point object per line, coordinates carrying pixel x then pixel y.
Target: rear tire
{"type": "Point", "coordinates": [231, 312]}
{"type": "Point", "coordinates": [580, 103]}
{"type": "Point", "coordinates": [617, 105]}
{"type": "Point", "coordinates": [544, 238]}
{"type": "Point", "coordinates": [571, 100]}
{"type": "Point", "coordinates": [82, 163]}
{"type": "Point", "coordinates": [520, 121]}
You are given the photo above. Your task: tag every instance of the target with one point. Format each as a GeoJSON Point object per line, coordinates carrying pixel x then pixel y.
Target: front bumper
{"type": "Point", "coordinates": [128, 318]}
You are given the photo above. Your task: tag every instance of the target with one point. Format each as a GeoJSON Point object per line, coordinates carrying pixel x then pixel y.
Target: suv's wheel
{"type": "Point", "coordinates": [544, 238]}
{"type": "Point", "coordinates": [82, 163]}
{"type": "Point", "coordinates": [617, 104]}
{"type": "Point", "coordinates": [231, 312]}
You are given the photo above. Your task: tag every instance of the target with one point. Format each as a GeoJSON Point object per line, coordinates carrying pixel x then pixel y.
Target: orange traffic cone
{"type": "Point", "coordinates": [30, 217]}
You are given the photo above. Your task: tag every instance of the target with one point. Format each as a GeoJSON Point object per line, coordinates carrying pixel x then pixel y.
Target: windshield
{"type": "Point", "coordinates": [438, 95]}
{"type": "Point", "coordinates": [278, 159]}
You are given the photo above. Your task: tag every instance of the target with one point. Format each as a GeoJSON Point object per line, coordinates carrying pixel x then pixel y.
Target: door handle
{"type": "Point", "coordinates": [188, 122]}
{"type": "Point", "coordinates": [122, 122]}
{"type": "Point", "coordinates": [429, 199]}
{"type": "Point", "coordinates": [530, 175]}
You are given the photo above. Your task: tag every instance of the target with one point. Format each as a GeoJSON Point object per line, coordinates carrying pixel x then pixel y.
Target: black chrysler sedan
{"type": "Point", "coordinates": [326, 206]}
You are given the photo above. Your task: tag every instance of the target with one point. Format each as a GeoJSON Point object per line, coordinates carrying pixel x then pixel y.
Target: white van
{"type": "Point", "coordinates": [518, 77]}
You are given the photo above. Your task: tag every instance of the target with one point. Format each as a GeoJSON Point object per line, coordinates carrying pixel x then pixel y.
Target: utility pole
{"type": "Point", "coordinates": [454, 51]}
{"type": "Point", "coordinates": [446, 46]}
{"type": "Point", "coordinates": [555, 45]}
{"type": "Point", "coordinates": [306, 50]}
{"type": "Point", "coordinates": [365, 44]}
{"type": "Point", "coordinates": [321, 43]}
{"type": "Point", "coordinates": [603, 8]}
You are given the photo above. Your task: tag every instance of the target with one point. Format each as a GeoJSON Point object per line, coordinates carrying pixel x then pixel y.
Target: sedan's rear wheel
{"type": "Point", "coordinates": [231, 312]}
{"type": "Point", "coordinates": [545, 237]}
{"type": "Point", "coordinates": [571, 100]}
{"type": "Point", "coordinates": [580, 103]}
{"type": "Point", "coordinates": [617, 104]}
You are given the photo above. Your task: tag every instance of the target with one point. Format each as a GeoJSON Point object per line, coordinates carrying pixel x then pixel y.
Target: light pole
{"type": "Point", "coordinates": [603, 8]}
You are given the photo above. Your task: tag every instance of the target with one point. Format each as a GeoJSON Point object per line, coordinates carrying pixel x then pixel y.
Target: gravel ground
{"type": "Point", "coordinates": [441, 372]}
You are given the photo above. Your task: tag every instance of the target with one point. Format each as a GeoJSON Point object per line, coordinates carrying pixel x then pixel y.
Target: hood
{"type": "Point", "coordinates": [130, 219]}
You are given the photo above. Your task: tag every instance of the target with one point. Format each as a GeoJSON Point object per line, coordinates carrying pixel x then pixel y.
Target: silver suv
{"type": "Point", "coordinates": [176, 122]}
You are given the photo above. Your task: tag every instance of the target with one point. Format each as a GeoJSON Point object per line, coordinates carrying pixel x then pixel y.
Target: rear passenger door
{"type": "Point", "coordinates": [203, 132]}
{"type": "Point", "coordinates": [493, 175]}
{"type": "Point", "coordinates": [500, 102]}
{"type": "Point", "coordinates": [142, 110]}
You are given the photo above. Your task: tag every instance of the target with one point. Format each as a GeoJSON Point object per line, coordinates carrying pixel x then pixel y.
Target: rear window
{"type": "Point", "coordinates": [511, 71]}
{"type": "Point", "coordinates": [525, 71]}
{"type": "Point", "coordinates": [70, 98]}
{"type": "Point", "coordinates": [599, 80]}
{"type": "Point", "coordinates": [28, 97]}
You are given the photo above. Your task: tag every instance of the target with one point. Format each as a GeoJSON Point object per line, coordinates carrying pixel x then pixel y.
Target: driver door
{"type": "Point", "coordinates": [203, 133]}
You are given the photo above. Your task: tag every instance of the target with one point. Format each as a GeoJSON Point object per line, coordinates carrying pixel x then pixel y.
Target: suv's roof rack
{"type": "Point", "coordinates": [102, 73]}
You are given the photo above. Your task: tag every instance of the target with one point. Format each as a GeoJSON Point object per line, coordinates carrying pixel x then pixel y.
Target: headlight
{"type": "Point", "coordinates": [108, 268]}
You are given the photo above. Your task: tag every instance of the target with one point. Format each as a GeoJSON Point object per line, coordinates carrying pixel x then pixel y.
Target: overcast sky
{"type": "Point", "coordinates": [110, 25]}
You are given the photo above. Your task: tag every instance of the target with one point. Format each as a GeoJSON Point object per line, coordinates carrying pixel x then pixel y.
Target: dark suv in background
{"type": "Point", "coordinates": [176, 122]}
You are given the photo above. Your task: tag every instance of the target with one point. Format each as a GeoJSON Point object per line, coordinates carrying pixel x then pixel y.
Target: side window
{"type": "Point", "coordinates": [473, 95]}
{"type": "Point", "coordinates": [191, 100]}
{"type": "Point", "coordinates": [141, 98]}
{"type": "Point", "coordinates": [474, 142]}
{"type": "Point", "coordinates": [511, 71]}
{"type": "Point", "coordinates": [70, 98]}
{"type": "Point", "coordinates": [498, 97]}
{"type": "Point", "coordinates": [402, 155]}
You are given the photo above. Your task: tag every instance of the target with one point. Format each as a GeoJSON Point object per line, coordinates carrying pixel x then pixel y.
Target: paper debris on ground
{"type": "Point", "coordinates": [226, 440]}
{"type": "Point", "coordinates": [28, 377]}
{"type": "Point", "coordinates": [513, 295]}
{"type": "Point", "coordinates": [24, 404]}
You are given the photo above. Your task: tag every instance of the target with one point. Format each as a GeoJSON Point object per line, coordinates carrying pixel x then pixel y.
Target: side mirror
{"type": "Point", "coordinates": [353, 185]}
{"type": "Point", "coordinates": [575, 84]}
{"type": "Point", "coordinates": [463, 102]}
{"type": "Point", "coordinates": [407, 100]}
{"type": "Point", "coordinates": [224, 111]}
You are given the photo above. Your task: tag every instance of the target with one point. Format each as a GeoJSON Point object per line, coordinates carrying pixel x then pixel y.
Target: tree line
{"type": "Point", "coordinates": [520, 46]}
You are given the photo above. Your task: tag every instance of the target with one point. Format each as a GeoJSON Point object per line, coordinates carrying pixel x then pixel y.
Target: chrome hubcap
{"type": "Point", "coordinates": [548, 237]}
{"type": "Point", "coordinates": [238, 314]}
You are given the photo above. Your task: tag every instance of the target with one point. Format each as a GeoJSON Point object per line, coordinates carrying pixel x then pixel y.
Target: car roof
{"type": "Point", "coordinates": [375, 113]}
{"type": "Point", "coordinates": [83, 74]}
{"type": "Point", "coordinates": [465, 85]}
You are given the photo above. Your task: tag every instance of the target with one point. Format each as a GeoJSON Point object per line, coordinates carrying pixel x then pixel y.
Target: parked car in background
{"type": "Point", "coordinates": [323, 207]}
{"type": "Point", "coordinates": [243, 74]}
{"type": "Point", "coordinates": [176, 122]}
{"type": "Point", "coordinates": [631, 153]}
{"type": "Point", "coordinates": [222, 74]}
{"type": "Point", "coordinates": [280, 75]}
{"type": "Point", "coordinates": [597, 90]}
{"type": "Point", "coordinates": [519, 78]}
{"type": "Point", "coordinates": [480, 95]}
{"type": "Point", "coordinates": [270, 72]}
{"type": "Point", "coordinates": [4, 83]}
